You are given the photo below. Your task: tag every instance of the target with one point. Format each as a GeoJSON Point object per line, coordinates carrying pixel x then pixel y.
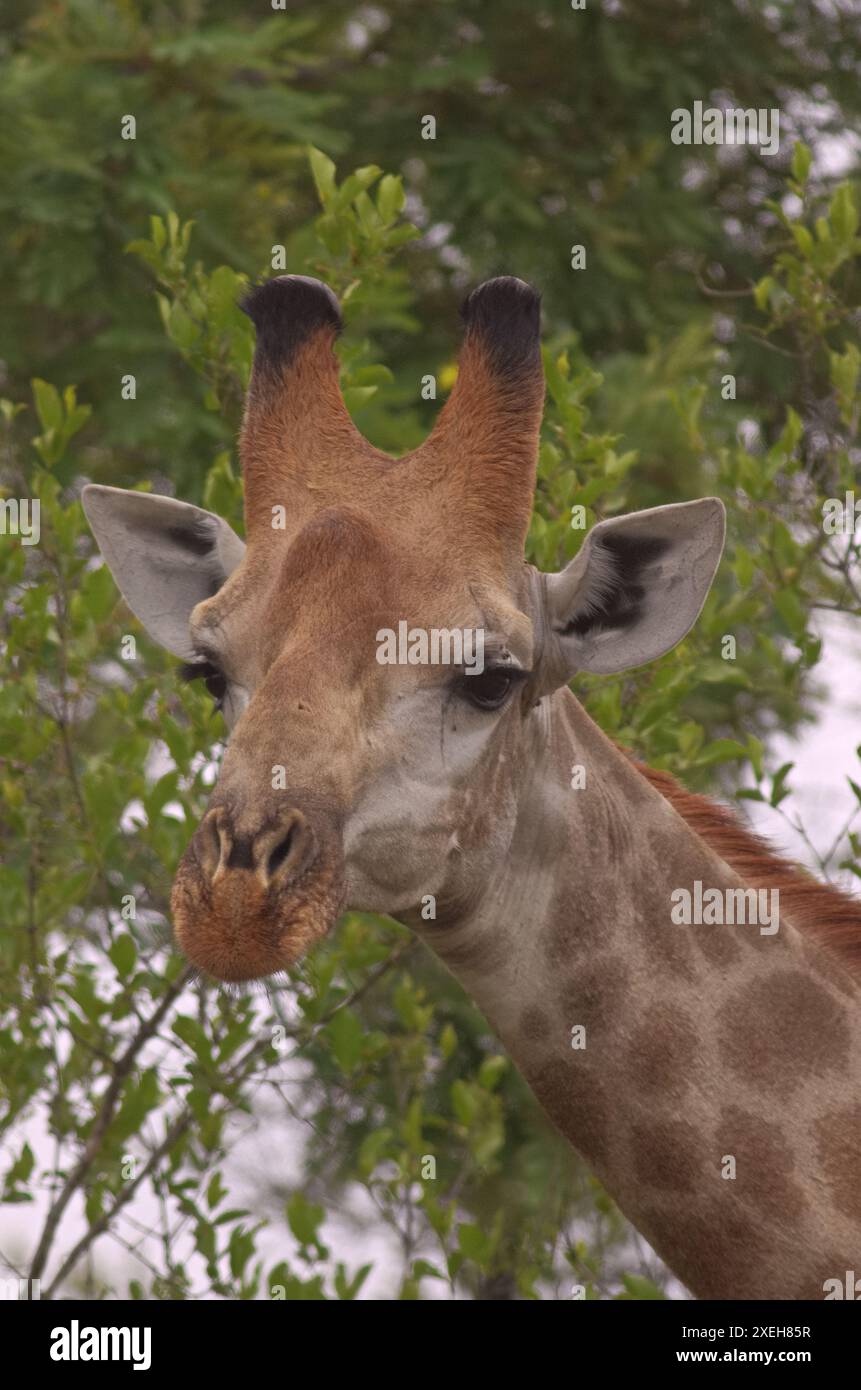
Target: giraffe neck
{"type": "Point", "coordinates": [707, 1050]}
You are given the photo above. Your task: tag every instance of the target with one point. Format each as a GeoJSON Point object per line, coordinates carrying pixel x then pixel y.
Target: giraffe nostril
{"type": "Point", "coordinates": [281, 852]}
{"type": "Point", "coordinates": [285, 850]}
{"type": "Point", "coordinates": [213, 843]}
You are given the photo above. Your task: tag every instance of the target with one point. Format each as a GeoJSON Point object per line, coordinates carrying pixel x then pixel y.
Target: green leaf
{"type": "Point", "coordinates": [637, 1286]}
{"type": "Point", "coordinates": [304, 1219]}
{"type": "Point", "coordinates": [158, 233]}
{"type": "Point", "coordinates": [475, 1244]}
{"type": "Point", "coordinates": [463, 1102]}
{"type": "Point", "coordinates": [390, 198]}
{"type": "Point", "coordinates": [491, 1071]}
{"type": "Point", "coordinates": [447, 1041]}
{"type": "Point", "coordinates": [755, 753]}
{"type": "Point", "coordinates": [357, 183]}
{"type": "Point", "coordinates": [345, 1034]}
{"type": "Point", "coordinates": [357, 396]}
{"type": "Point", "coordinates": [9, 409]}
{"type": "Point", "coordinates": [141, 1097]}
{"type": "Point", "coordinates": [182, 328]}
{"type": "Point", "coordinates": [241, 1248]}
{"type": "Point", "coordinates": [744, 567]}
{"type": "Point", "coordinates": [21, 1168]}
{"type": "Point", "coordinates": [801, 161]}
{"type": "Point", "coordinates": [123, 952]}
{"type": "Point", "coordinates": [844, 376]}
{"type": "Point", "coordinates": [721, 750]}
{"type": "Point", "coordinates": [803, 239]}
{"type": "Point", "coordinates": [222, 491]}
{"type": "Point", "coordinates": [49, 406]}
{"type": "Point", "coordinates": [791, 610]}
{"type": "Point", "coordinates": [779, 789]}
{"type": "Point", "coordinates": [215, 1192]}
{"type": "Point", "coordinates": [347, 1289]}
{"type": "Point", "coordinates": [843, 215]}
{"type": "Point", "coordinates": [205, 1240]}
{"type": "Point", "coordinates": [323, 171]}
{"type": "Point", "coordinates": [762, 292]}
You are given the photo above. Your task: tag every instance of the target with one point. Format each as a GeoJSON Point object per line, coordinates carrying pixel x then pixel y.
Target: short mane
{"type": "Point", "coordinates": [828, 914]}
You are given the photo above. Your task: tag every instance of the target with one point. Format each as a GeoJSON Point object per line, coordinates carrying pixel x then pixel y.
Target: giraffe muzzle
{"type": "Point", "coordinates": [247, 904]}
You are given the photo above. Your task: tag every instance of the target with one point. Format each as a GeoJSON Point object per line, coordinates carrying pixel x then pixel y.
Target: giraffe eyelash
{"type": "Point", "coordinates": [197, 670]}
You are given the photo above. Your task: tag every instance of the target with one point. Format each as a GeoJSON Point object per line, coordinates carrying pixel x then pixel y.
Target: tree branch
{"type": "Point", "coordinates": [105, 1115]}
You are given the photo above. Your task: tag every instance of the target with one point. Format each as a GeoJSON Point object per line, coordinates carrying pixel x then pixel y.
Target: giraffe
{"type": "Point", "coordinates": [715, 1090]}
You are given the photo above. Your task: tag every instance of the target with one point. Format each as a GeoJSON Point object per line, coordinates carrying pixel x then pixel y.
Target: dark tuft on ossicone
{"type": "Point", "coordinates": [506, 314]}
{"type": "Point", "coordinates": [286, 311]}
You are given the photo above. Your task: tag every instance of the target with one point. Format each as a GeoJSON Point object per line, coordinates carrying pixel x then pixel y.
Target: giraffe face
{"type": "Point", "coordinates": [363, 742]}
{"type": "Point", "coordinates": [382, 654]}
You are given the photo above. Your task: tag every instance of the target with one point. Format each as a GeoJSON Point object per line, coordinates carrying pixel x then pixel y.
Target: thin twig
{"type": "Point", "coordinates": [103, 1120]}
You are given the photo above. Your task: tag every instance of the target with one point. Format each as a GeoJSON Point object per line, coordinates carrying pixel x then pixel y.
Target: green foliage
{"type": "Point", "coordinates": [526, 162]}
{"type": "Point", "coordinates": [130, 257]}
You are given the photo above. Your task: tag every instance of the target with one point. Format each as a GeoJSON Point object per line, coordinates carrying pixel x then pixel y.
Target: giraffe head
{"type": "Point", "coordinates": [381, 651]}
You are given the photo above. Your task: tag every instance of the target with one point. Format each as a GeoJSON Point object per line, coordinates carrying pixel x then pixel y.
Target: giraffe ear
{"type": "Point", "coordinates": [635, 588]}
{"type": "Point", "coordinates": [166, 556]}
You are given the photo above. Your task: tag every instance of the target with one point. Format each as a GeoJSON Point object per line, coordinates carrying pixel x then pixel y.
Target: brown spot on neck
{"type": "Point", "coordinates": [764, 1167]}
{"type": "Point", "coordinates": [782, 1029]}
{"type": "Point", "coordinates": [839, 1136]}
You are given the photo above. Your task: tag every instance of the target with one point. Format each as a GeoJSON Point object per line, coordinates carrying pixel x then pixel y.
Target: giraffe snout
{"type": "Point", "coordinates": [249, 901]}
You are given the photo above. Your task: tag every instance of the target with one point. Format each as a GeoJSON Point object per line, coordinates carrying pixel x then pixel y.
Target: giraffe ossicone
{"type": "Point", "coordinates": [407, 783]}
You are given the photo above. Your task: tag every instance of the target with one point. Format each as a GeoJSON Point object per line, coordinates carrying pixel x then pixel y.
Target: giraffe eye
{"type": "Point", "coordinates": [490, 689]}
{"type": "Point", "coordinates": [217, 687]}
